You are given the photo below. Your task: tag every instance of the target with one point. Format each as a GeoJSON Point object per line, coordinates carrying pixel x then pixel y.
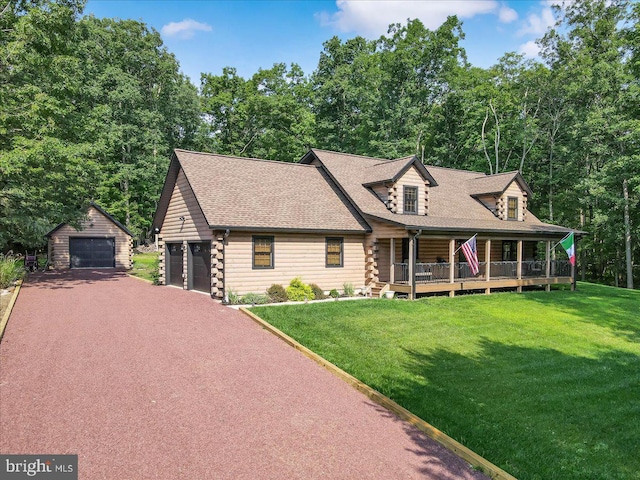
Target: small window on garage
{"type": "Point", "coordinates": [334, 254]}
{"type": "Point", "coordinates": [262, 252]}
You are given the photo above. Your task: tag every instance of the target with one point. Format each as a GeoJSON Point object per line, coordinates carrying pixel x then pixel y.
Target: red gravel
{"type": "Point", "coordinates": [154, 382]}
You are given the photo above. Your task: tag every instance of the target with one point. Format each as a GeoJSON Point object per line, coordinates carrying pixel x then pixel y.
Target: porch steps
{"type": "Point", "coordinates": [378, 289]}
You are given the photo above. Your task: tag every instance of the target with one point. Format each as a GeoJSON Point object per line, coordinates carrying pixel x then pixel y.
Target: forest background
{"type": "Point", "coordinates": [90, 110]}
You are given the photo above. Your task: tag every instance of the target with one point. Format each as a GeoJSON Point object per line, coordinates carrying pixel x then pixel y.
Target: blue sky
{"type": "Point", "coordinates": [207, 35]}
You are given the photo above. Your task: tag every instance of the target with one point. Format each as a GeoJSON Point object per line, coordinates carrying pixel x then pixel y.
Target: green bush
{"type": "Point", "coordinates": [317, 292]}
{"type": "Point", "coordinates": [334, 293]}
{"type": "Point", "coordinates": [254, 299]}
{"type": "Point", "coordinates": [348, 290]}
{"type": "Point", "coordinates": [277, 293]}
{"type": "Point", "coordinates": [297, 291]}
{"type": "Point", "coordinates": [11, 269]}
{"type": "Point", "coordinates": [234, 298]}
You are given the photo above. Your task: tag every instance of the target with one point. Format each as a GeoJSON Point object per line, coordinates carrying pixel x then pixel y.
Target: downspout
{"type": "Point", "coordinates": [413, 266]}
{"type": "Point", "coordinates": [225, 298]}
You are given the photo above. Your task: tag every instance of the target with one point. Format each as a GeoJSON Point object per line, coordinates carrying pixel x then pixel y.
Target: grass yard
{"type": "Point", "coordinates": [145, 265]}
{"type": "Point", "coordinates": [544, 385]}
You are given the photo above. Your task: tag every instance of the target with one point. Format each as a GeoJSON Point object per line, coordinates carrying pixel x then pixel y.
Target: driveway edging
{"type": "Point", "coordinates": [432, 432]}
{"type": "Point", "coordinates": [7, 314]}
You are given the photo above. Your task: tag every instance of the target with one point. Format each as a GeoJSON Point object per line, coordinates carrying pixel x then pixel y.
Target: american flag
{"type": "Point", "coordinates": [470, 250]}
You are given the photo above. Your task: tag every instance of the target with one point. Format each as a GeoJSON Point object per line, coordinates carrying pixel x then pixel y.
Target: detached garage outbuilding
{"type": "Point", "coordinates": [101, 242]}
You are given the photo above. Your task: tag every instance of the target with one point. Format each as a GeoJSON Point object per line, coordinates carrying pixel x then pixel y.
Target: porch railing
{"type": "Point", "coordinates": [440, 272]}
{"type": "Point", "coordinates": [560, 268]}
{"type": "Point", "coordinates": [504, 270]}
{"type": "Point", "coordinates": [463, 270]}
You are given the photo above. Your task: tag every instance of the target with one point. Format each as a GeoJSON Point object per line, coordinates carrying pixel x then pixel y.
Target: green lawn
{"type": "Point", "coordinates": [544, 385]}
{"type": "Point", "coordinates": [145, 265]}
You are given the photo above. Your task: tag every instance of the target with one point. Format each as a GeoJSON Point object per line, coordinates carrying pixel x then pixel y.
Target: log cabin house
{"type": "Point", "coordinates": [242, 224]}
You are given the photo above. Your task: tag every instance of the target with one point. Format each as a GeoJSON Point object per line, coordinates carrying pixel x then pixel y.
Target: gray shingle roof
{"type": "Point", "coordinates": [236, 192]}
{"type": "Point", "coordinates": [452, 205]}
{"type": "Point", "coordinates": [496, 183]}
{"type": "Point", "coordinates": [385, 170]}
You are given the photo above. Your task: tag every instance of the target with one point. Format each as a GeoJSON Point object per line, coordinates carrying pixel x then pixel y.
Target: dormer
{"type": "Point", "coordinates": [402, 185]}
{"type": "Point", "coordinates": [505, 195]}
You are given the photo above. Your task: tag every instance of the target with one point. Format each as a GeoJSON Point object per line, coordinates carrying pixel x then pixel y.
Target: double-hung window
{"type": "Point", "coordinates": [512, 208]}
{"type": "Point", "coordinates": [334, 252]}
{"type": "Point", "coordinates": [262, 252]}
{"type": "Point", "coordinates": [410, 200]}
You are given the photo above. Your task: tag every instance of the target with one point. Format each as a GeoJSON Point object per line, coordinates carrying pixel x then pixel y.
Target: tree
{"type": "Point", "coordinates": [45, 175]}
{"type": "Point", "coordinates": [590, 55]}
{"type": "Point", "coordinates": [267, 116]}
{"type": "Point", "coordinates": [89, 110]}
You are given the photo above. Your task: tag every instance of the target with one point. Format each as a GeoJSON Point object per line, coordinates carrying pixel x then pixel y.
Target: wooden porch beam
{"type": "Point", "coordinates": [547, 269]}
{"type": "Point", "coordinates": [392, 259]}
{"type": "Point", "coordinates": [452, 257]}
{"type": "Point", "coordinates": [487, 261]}
{"type": "Point", "coordinates": [412, 267]}
{"type": "Point", "coordinates": [519, 265]}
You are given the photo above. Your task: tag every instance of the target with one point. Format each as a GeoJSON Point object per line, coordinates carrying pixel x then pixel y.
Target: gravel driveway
{"type": "Point", "coordinates": [150, 382]}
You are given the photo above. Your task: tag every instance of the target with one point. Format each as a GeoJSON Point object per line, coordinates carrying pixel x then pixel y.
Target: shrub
{"type": "Point", "coordinates": [254, 299]}
{"type": "Point", "coordinates": [11, 269]}
{"type": "Point", "coordinates": [334, 293]}
{"type": "Point", "coordinates": [348, 290]}
{"type": "Point", "coordinates": [277, 293]}
{"type": "Point", "coordinates": [155, 271]}
{"type": "Point", "coordinates": [234, 298]}
{"type": "Point", "coordinates": [317, 292]}
{"type": "Point", "coordinates": [297, 291]}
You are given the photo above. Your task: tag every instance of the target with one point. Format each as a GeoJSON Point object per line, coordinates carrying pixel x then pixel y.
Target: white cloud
{"type": "Point", "coordinates": [537, 24]}
{"type": "Point", "coordinates": [507, 14]}
{"type": "Point", "coordinates": [185, 29]}
{"type": "Point", "coordinates": [529, 49]}
{"type": "Point", "coordinates": [372, 18]}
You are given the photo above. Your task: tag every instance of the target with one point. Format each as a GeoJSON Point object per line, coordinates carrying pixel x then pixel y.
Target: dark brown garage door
{"type": "Point", "coordinates": [92, 252]}
{"type": "Point", "coordinates": [175, 264]}
{"type": "Point", "coordinates": [200, 271]}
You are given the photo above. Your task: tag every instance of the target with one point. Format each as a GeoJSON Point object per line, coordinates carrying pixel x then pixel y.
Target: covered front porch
{"type": "Point", "coordinates": [420, 264]}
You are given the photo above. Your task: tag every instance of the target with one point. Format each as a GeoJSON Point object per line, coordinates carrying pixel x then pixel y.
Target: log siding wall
{"type": "Point", "coordinates": [412, 178]}
{"type": "Point", "coordinates": [513, 190]}
{"type": "Point", "coordinates": [294, 255]}
{"type": "Point", "coordinates": [194, 228]}
{"type": "Point", "coordinates": [96, 225]}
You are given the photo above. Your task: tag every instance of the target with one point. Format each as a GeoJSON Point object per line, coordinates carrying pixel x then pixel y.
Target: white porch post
{"type": "Point", "coordinates": [412, 267]}
{"type": "Point", "coordinates": [519, 266]}
{"type": "Point", "coordinates": [452, 257]}
{"type": "Point", "coordinates": [487, 261]}
{"type": "Point", "coordinates": [547, 270]}
{"type": "Point", "coordinates": [392, 259]}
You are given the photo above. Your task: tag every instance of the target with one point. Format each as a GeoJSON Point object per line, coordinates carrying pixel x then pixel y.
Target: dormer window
{"type": "Point", "coordinates": [410, 204]}
{"type": "Point", "coordinates": [512, 208]}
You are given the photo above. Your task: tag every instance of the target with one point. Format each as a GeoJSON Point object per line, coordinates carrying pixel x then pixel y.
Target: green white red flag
{"type": "Point", "coordinates": [569, 244]}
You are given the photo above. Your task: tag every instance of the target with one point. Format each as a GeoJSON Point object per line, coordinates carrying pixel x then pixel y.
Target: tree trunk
{"type": "Point", "coordinates": [627, 234]}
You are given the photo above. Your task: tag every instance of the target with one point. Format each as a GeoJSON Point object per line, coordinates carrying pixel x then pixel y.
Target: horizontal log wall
{"type": "Point", "coordinates": [412, 178]}
{"type": "Point", "coordinates": [295, 255]}
{"type": "Point", "coordinates": [184, 204]}
{"type": "Point", "coordinates": [98, 226]}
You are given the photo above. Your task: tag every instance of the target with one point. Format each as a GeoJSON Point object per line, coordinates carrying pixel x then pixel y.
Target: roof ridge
{"type": "Point", "coordinates": [510, 172]}
{"type": "Point", "coordinates": [428, 166]}
{"type": "Point", "coordinates": [235, 157]}
{"type": "Point", "coordinates": [386, 162]}
{"type": "Point", "coordinates": [350, 154]}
